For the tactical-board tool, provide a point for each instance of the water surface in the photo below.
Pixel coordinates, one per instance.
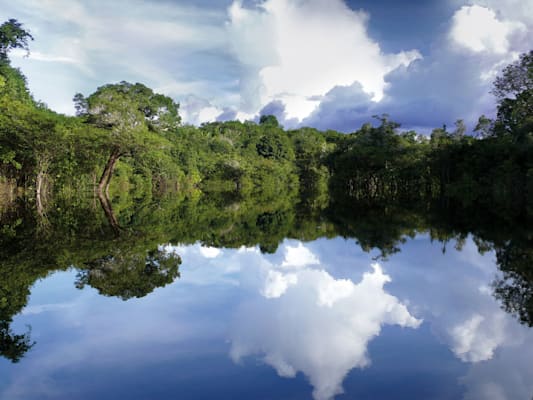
(325, 317)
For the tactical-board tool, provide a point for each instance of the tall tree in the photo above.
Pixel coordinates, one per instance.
(516, 78)
(514, 91)
(131, 113)
(13, 36)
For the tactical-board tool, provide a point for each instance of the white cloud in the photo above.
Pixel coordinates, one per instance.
(277, 283)
(318, 320)
(294, 51)
(204, 265)
(313, 57)
(516, 10)
(195, 111)
(210, 252)
(298, 317)
(317, 325)
(38, 56)
(43, 308)
(453, 81)
(477, 338)
(478, 29)
(298, 256)
(452, 294)
(506, 377)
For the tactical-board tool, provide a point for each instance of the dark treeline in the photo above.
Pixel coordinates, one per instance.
(127, 136)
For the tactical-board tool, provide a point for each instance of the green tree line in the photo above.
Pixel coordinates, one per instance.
(128, 135)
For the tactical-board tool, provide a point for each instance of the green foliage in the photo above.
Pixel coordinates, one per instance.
(13, 346)
(515, 288)
(13, 36)
(274, 145)
(129, 273)
(127, 108)
(269, 120)
(514, 90)
(131, 123)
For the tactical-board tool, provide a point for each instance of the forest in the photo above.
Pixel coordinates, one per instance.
(125, 135)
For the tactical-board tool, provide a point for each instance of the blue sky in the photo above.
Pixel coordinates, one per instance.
(322, 63)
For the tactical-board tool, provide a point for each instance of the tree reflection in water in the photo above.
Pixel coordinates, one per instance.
(118, 251)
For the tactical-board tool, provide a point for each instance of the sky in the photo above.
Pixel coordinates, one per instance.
(329, 64)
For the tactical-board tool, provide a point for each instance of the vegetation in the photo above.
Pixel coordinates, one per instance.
(129, 262)
(128, 130)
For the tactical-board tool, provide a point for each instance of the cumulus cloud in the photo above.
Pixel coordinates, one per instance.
(203, 265)
(343, 78)
(277, 283)
(317, 325)
(297, 316)
(453, 296)
(195, 110)
(476, 338)
(514, 10)
(478, 29)
(292, 51)
(277, 108)
(466, 317)
(453, 81)
(504, 378)
(309, 62)
(343, 108)
(299, 256)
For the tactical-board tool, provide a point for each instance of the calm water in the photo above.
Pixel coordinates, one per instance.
(318, 318)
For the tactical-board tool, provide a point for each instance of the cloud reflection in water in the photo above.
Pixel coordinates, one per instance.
(318, 325)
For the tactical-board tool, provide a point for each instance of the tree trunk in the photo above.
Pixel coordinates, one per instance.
(103, 185)
(38, 193)
(108, 211)
(40, 184)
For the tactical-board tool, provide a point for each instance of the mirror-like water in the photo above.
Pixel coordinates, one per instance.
(398, 312)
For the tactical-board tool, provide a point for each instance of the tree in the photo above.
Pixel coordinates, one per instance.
(269, 120)
(13, 36)
(516, 78)
(515, 288)
(484, 127)
(514, 91)
(460, 130)
(131, 113)
(271, 146)
(515, 117)
(13, 346)
(80, 104)
(130, 272)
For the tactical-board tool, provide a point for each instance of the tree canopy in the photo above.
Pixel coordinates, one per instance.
(133, 115)
(13, 36)
(514, 91)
